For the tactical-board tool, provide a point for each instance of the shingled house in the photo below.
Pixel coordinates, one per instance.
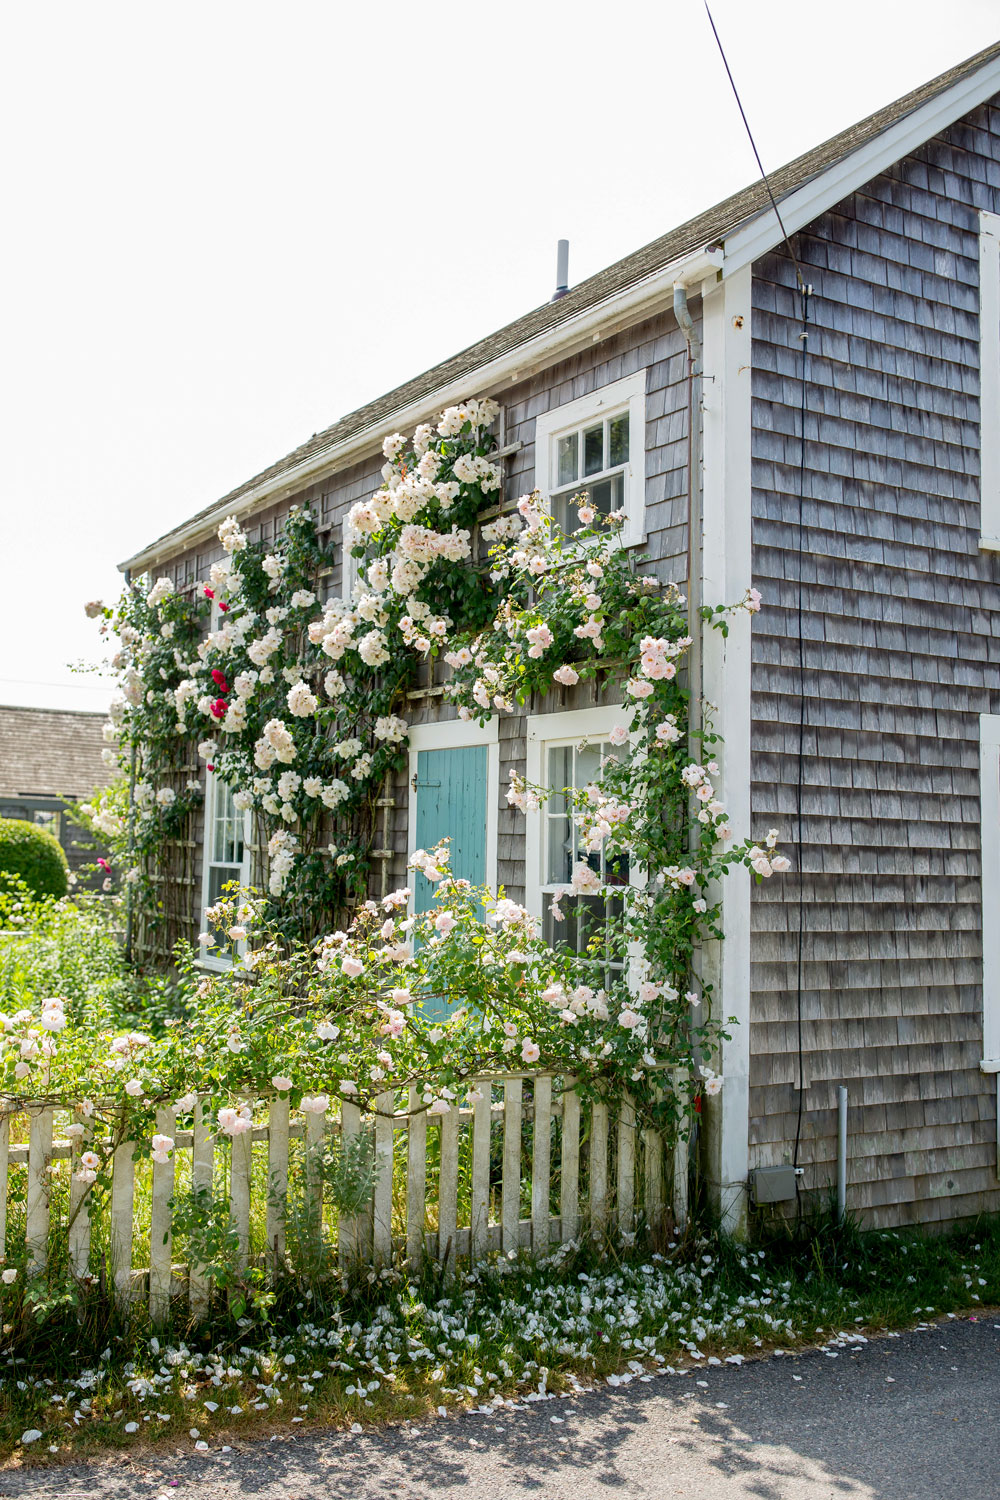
(854, 478)
(49, 755)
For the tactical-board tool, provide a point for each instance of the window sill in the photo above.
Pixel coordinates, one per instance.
(989, 544)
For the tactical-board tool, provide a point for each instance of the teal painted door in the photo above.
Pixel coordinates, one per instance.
(451, 804)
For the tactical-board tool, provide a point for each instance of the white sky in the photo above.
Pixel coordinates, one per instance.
(228, 224)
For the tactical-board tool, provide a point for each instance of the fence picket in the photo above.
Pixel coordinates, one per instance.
(79, 1208)
(160, 1236)
(4, 1169)
(448, 1188)
(626, 1166)
(39, 1157)
(277, 1179)
(599, 1166)
(510, 1194)
(348, 1235)
(416, 1179)
(202, 1177)
(652, 1142)
(479, 1232)
(122, 1202)
(240, 1166)
(681, 1148)
(382, 1197)
(540, 1164)
(569, 1163)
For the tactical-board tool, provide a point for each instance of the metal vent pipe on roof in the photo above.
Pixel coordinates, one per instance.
(562, 271)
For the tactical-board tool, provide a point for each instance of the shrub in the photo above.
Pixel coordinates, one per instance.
(34, 854)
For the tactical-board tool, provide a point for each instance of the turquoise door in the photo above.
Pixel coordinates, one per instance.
(451, 804)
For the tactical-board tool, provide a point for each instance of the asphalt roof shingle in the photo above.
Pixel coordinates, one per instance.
(50, 752)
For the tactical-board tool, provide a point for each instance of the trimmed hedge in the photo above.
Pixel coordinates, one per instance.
(34, 854)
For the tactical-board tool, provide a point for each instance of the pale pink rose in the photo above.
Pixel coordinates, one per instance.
(618, 735)
(351, 966)
(530, 1051)
(444, 922)
(566, 675)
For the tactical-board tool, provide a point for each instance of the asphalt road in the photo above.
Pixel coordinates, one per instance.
(894, 1419)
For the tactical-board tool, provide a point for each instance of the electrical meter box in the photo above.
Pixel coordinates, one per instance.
(772, 1184)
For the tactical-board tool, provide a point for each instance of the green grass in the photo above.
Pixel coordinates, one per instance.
(393, 1346)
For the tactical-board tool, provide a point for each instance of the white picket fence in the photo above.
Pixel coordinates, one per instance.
(626, 1185)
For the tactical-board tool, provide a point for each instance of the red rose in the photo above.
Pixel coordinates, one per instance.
(219, 678)
(209, 768)
(223, 607)
(219, 707)
(209, 593)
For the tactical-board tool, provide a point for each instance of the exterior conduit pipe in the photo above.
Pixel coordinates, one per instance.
(841, 1154)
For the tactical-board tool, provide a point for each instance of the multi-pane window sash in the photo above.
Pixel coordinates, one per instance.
(585, 917)
(592, 457)
(226, 849)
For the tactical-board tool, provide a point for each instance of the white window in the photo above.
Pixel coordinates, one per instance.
(597, 444)
(989, 381)
(350, 565)
(226, 853)
(226, 844)
(565, 751)
(989, 772)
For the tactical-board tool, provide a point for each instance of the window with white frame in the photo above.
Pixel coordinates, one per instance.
(597, 444)
(565, 752)
(350, 565)
(989, 381)
(225, 852)
(227, 856)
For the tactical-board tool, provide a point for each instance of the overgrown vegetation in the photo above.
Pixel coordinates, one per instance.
(33, 855)
(90, 1377)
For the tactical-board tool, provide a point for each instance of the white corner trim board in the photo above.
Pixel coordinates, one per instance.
(989, 793)
(726, 568)
(989, 382)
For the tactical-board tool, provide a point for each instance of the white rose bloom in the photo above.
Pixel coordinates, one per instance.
(162, 589)
(301, 701)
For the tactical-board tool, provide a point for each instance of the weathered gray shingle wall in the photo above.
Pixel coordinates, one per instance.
(901, 617)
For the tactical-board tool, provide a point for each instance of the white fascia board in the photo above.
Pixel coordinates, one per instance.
(748, 243)
(590, 326)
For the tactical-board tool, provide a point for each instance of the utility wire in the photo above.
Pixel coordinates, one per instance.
(753, 143)
(805, 292)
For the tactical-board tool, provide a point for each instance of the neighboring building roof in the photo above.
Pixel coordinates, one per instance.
(703, 231)
(50, 752)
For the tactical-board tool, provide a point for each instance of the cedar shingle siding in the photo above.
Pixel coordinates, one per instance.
(900, 625)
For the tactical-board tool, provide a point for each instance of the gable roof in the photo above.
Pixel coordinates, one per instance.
(706, 230)
(51, 752)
